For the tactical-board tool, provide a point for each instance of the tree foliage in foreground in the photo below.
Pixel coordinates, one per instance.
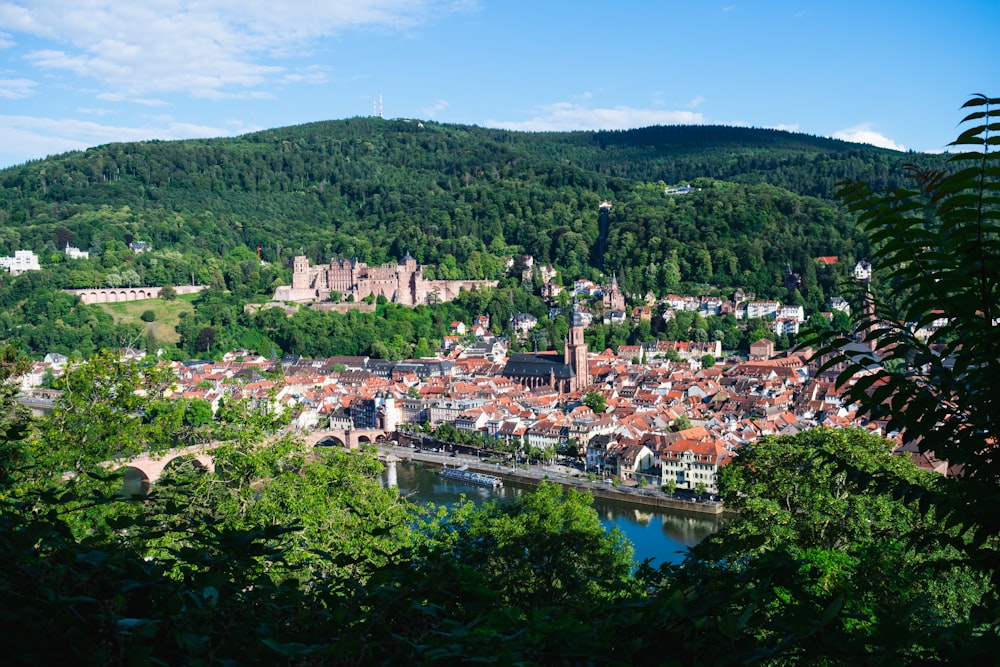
(822, 565)
(938, 245)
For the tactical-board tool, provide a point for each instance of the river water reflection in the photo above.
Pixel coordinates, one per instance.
(658, 534)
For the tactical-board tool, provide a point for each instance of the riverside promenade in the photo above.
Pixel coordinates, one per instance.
(565, 476)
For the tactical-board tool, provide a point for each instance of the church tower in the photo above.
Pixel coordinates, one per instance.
(576, 350)
(613, 297)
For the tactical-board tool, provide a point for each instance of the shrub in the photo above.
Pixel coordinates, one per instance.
(147, 316)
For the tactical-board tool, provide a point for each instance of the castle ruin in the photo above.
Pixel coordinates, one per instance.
(401, 283)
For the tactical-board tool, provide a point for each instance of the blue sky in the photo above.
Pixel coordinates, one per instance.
(79, 73)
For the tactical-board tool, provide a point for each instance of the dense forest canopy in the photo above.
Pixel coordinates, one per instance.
(460, 199)
(455, 195)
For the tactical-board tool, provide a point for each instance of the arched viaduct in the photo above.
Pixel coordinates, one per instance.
(120, 294)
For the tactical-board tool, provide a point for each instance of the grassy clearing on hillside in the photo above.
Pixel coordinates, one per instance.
(167, 315)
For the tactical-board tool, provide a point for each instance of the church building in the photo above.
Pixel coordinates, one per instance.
(568, 373)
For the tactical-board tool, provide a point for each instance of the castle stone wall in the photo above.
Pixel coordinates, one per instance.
(401, 283)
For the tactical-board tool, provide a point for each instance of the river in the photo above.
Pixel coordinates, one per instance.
(658, 534)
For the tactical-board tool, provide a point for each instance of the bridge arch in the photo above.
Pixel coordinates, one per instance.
(330, 441)
(135, 482)
(152, 465)
(199, 462)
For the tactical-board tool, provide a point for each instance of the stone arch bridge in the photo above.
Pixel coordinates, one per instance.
(350, 438)
(144, 470)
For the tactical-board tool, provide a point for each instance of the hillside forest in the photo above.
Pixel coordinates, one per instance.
(460, 199)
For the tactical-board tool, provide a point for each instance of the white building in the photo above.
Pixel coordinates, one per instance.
(841, 304)
(863, 271)
(762, 309)
(785, 325)
(76, 253)
(796, 313)
(23, 260)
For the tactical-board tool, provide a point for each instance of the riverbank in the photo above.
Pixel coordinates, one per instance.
(563, 475)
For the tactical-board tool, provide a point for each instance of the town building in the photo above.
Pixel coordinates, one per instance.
(23, 260)
(377, 412)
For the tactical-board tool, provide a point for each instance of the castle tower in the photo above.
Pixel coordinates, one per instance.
(408, 274)
(576, 350)
(300, 272)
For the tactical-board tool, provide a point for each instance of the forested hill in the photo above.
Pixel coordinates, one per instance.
(462, 198)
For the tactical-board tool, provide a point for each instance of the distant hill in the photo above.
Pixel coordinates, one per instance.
(463, 197)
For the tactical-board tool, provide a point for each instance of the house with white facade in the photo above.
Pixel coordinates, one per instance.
(522, 323)
(76, 253)
(790, 312)
(762, 309)
(863, 271)
(692, 464)
(785, 326)
(841, 304)
(23, 260)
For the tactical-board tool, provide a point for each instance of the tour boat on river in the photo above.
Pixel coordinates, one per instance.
(471, 477)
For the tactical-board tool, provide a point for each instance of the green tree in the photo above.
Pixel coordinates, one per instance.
(197, 412)
(206, 338)
(95, 419)
(547, 548)
(595, 401)
(14, 418)
(936, 247)
(839, 559)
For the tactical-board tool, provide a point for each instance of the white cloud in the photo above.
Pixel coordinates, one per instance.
(208, 49)
(435, 109)
(94, 111)
(120, 97)
(863, 134)
(564, 116)
(16, 89)
(314, 74)
(695, 102)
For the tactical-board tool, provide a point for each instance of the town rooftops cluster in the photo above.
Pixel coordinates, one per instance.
(721, 408)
